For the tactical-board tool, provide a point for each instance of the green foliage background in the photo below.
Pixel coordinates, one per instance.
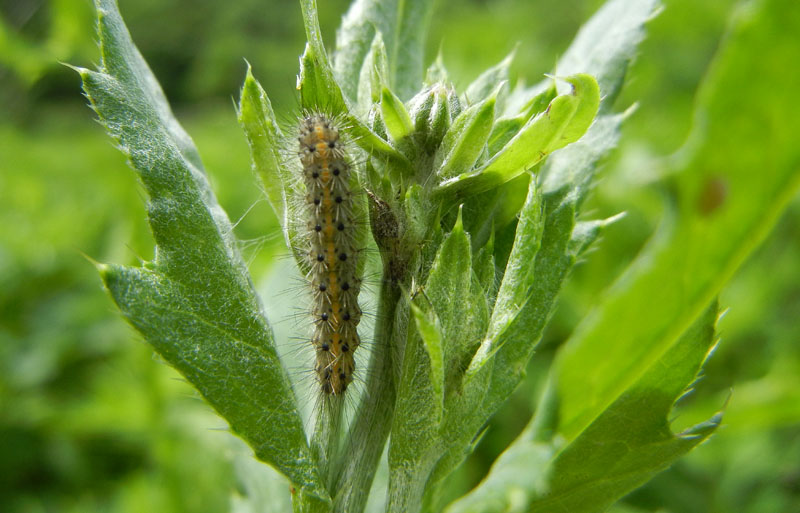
(90, 421)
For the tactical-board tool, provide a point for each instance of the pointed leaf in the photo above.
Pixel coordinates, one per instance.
(264, 138)
(430, 330)
(395, 116)
(465, 140)
(374, 75)
(318, 90)
(196, 303)
(519, 273)
(452, 293)
(418, 435)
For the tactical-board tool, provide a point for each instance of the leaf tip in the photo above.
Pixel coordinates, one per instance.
(97, 265)
(108, 273)
(80, 70)
(459, 226)
(84, 73)
(248, 74)
(496, 92)
(613, 219)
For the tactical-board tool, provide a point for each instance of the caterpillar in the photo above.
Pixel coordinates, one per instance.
(332, 250)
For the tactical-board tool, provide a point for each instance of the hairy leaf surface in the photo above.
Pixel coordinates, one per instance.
(195, 302)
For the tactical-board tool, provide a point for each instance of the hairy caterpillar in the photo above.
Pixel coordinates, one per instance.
(332, 251)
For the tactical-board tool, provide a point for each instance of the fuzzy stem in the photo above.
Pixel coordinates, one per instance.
(327, 434)
(324, 446)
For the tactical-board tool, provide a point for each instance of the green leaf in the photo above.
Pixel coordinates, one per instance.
(507, 127)
(319, 92)
(692, 256)
(373, 76)
(395, 116)
(504, 130)
(466, 139)
(450, 276)
(458, 301)
(585, 87)
(566, 119)
(375, 144)
(430, 330)
(622, 449)
(264, 138)
(403, 24)
(519, 274)
(195, 304)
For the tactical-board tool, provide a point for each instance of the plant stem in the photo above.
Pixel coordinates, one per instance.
(327, 434)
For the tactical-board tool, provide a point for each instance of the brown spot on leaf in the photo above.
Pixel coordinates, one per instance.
(712, 195)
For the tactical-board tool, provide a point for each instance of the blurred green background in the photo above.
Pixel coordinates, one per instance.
(91, 421)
